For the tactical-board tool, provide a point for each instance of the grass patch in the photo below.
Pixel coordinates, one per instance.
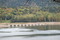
(5, 21)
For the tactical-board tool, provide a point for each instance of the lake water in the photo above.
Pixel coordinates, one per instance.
(55, 37)
(29, 34)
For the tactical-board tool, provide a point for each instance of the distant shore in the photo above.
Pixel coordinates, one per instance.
(53, 23)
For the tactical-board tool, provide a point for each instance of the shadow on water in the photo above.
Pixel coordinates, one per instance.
(45, 27)
(29, 36)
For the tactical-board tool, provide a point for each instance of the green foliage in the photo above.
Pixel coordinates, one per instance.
(28, 14)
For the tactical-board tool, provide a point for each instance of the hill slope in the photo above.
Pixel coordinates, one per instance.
(16, 3)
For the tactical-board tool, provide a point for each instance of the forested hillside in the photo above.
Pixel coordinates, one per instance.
(49, 5)
(29, 11)
(16, 3)
(27, 14)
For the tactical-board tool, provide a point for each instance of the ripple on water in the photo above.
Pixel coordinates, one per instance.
(30, 34)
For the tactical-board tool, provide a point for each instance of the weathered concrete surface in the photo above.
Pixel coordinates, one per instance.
(28, 24)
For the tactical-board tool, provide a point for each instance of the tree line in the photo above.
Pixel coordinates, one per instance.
(28, 14)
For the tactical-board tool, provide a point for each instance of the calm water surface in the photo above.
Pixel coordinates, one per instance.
(56, 37)
(32, 37)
